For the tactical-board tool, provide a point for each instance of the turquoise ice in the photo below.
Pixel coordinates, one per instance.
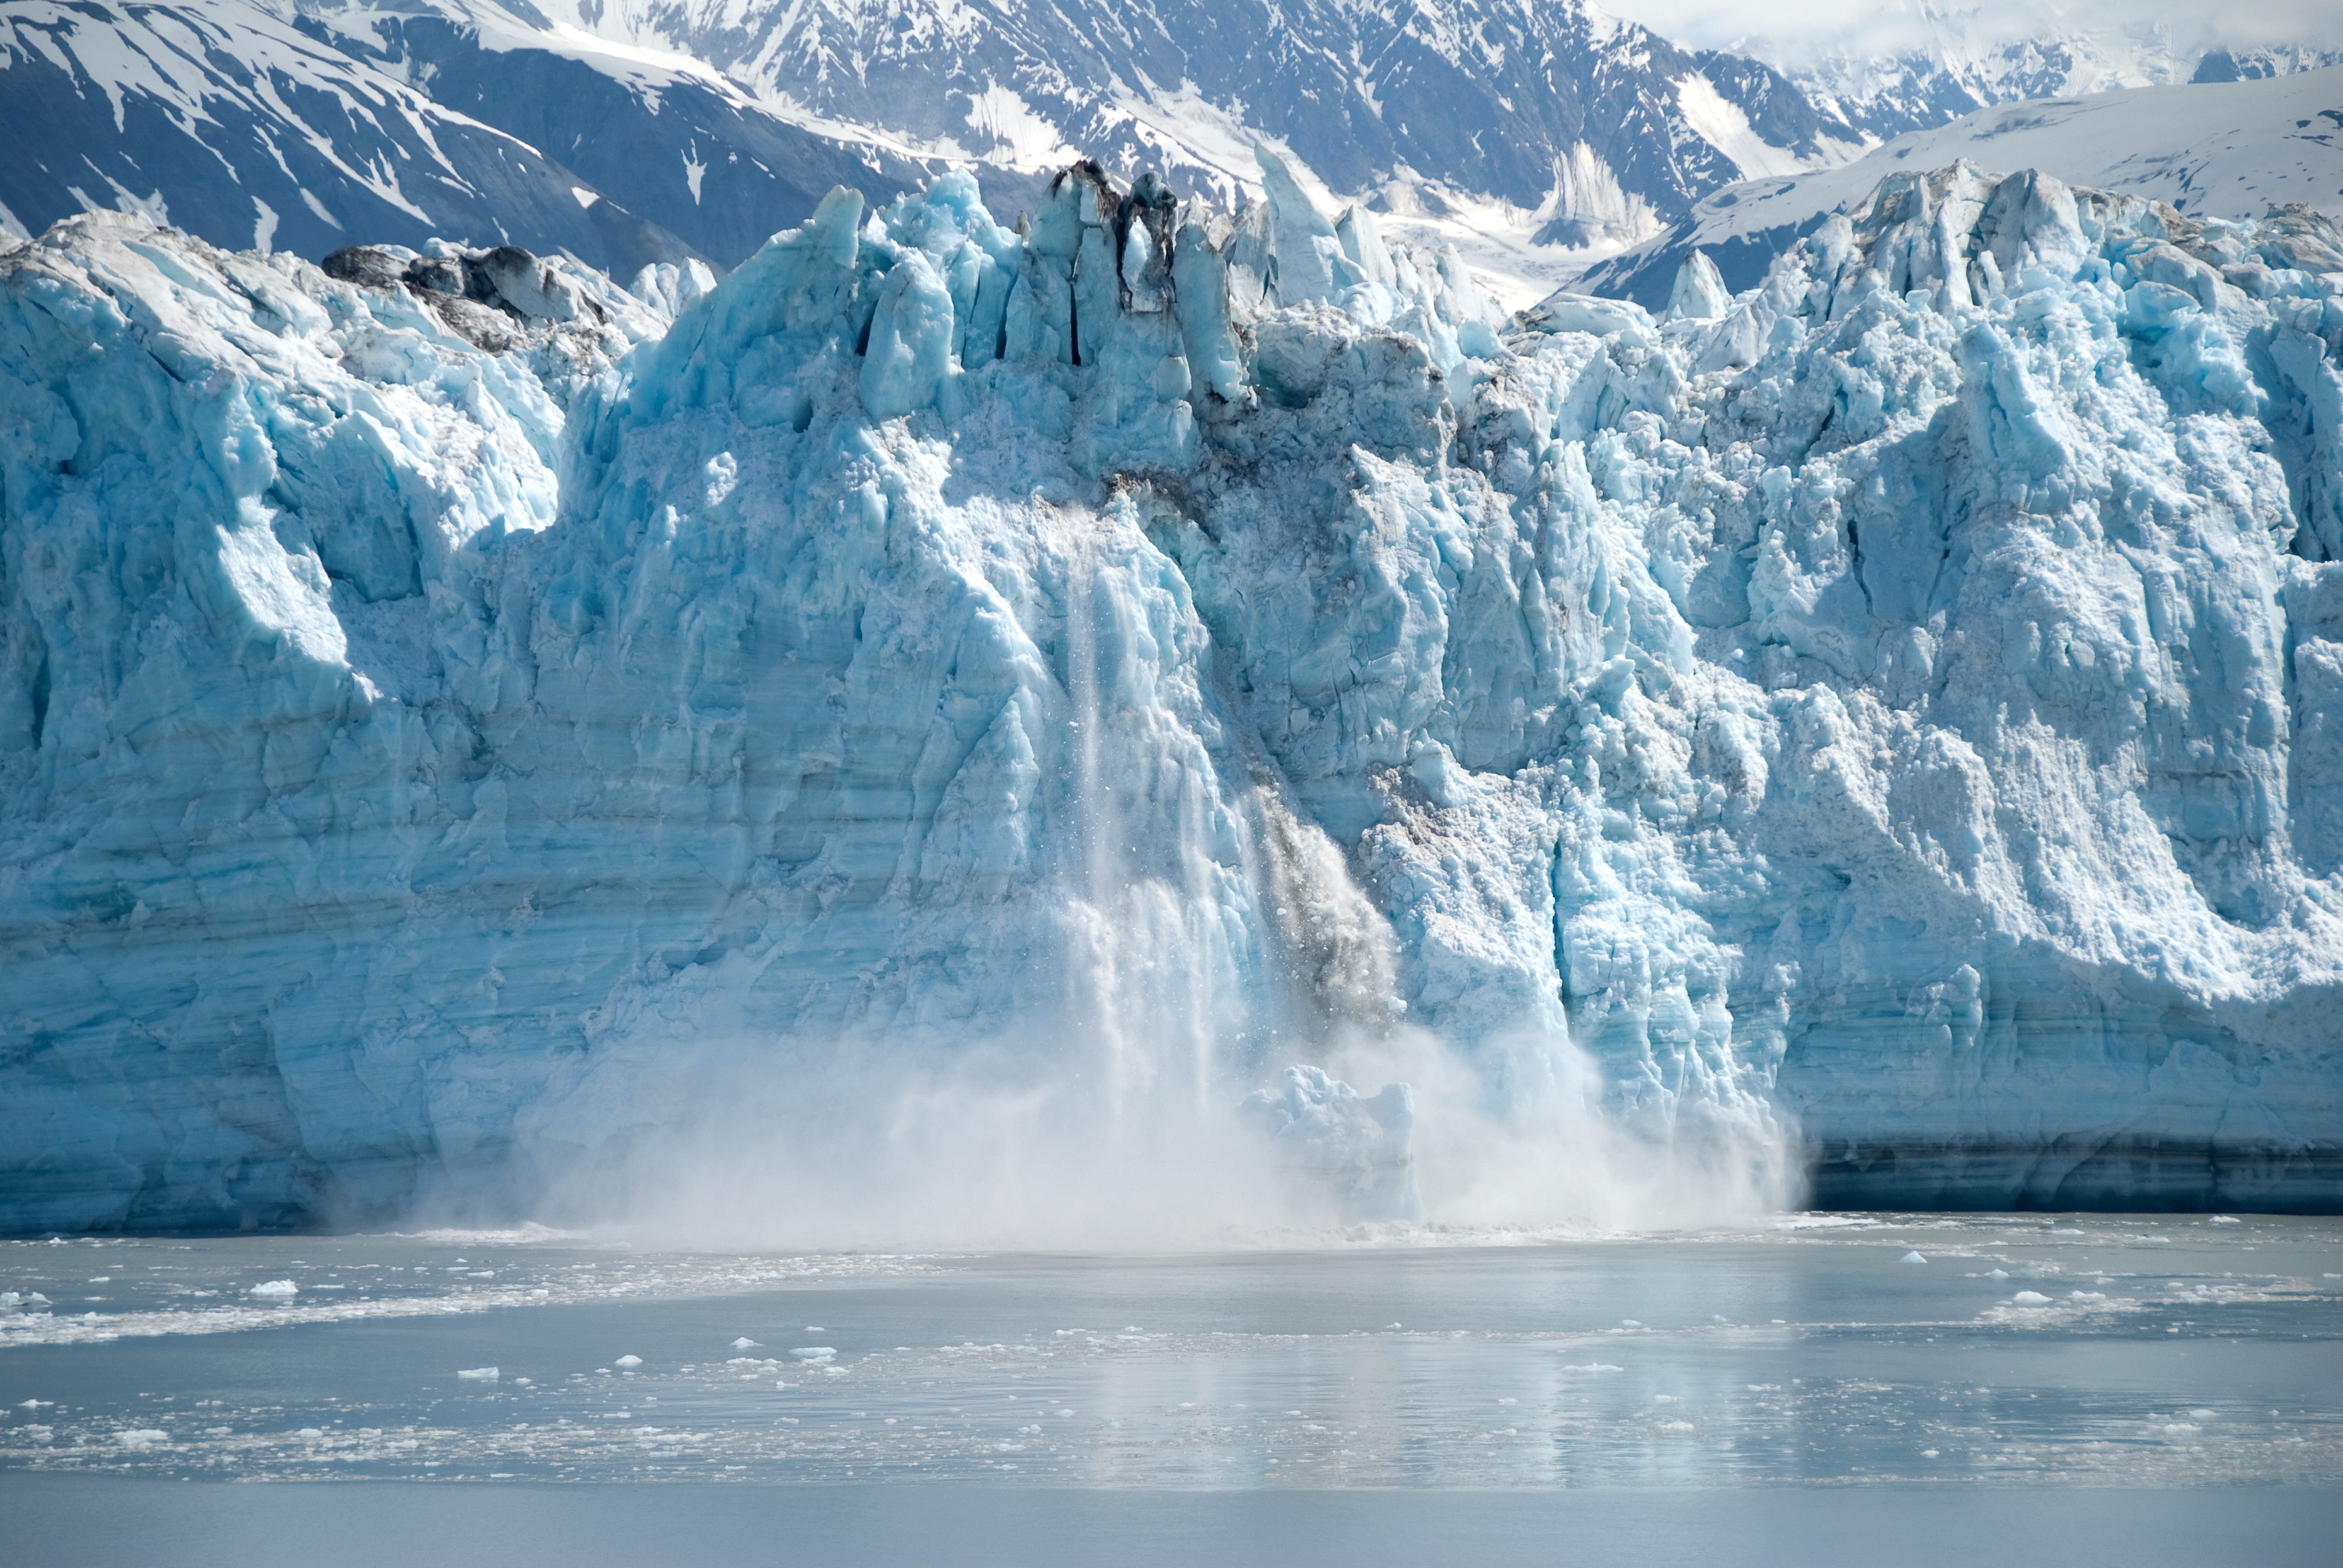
(1885, 720)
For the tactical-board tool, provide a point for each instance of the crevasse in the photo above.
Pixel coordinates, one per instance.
(460, 721)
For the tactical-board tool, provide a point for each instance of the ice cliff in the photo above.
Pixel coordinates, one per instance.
(456, 714)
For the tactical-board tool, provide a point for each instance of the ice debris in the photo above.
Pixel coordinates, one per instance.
(1355, 1145)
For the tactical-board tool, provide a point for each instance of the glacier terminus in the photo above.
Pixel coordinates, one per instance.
(1213, 702)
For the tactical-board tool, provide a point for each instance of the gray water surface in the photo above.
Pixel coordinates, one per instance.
(2095, 1353)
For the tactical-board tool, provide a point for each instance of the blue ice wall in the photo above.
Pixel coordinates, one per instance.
(443, 735)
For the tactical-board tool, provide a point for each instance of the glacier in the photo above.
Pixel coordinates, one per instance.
(1114, 684)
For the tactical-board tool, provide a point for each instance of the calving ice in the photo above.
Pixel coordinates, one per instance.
(1147, 719)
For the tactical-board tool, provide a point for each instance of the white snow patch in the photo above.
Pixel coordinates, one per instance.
(1721, 123)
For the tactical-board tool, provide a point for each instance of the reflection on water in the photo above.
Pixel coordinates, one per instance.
(2100, 1350)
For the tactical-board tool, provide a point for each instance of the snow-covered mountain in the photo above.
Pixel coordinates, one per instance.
(1492, 97)
(698, 129)
(965, 721)
(1884, 98)
(2229, 151)
(250, 121)
(1943, 62)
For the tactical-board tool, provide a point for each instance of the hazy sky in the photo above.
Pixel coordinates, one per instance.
(1893, 23)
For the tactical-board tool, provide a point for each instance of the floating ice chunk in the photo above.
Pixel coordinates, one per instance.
(627, 1361)
(2031, 1299)
(2225, 1220)
(1676, 1426)
(1593, 1367)
(276, 1290)
(146, 1437)
(814, 1353)
(1927, 1453)
(310, 1432)
(2086, 1295)
(479, 1374)
(1996, 1274)
(743, 1344)
(1914, 1257)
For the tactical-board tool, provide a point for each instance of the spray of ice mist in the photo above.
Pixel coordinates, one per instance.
(1202, 1079)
